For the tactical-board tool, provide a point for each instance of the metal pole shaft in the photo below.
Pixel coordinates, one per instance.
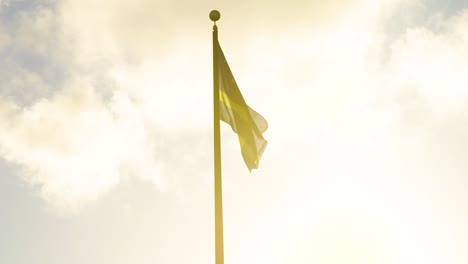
(219, 241)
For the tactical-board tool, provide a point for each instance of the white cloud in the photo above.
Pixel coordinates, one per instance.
(358, 133)
(434, 64)
(133, 82)
(75, 147)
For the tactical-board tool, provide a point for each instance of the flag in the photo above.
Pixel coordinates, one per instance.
(246, 122)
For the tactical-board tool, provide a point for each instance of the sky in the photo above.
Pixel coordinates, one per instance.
(106, 132)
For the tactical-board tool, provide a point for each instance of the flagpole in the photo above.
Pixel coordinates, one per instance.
(219, 242)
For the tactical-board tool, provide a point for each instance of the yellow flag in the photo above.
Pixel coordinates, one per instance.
(246, 122)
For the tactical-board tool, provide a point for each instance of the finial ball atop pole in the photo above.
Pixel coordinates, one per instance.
(215, 15)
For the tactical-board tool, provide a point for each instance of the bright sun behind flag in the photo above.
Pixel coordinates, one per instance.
(246, 122)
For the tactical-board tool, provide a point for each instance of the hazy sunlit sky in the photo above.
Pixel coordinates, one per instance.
(106, 132)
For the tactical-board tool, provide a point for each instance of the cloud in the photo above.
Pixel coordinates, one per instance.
(427, 61)
(74, 146)
(125, 92)
(77, 119)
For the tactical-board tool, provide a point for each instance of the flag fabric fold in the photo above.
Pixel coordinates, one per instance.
(244, 121)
